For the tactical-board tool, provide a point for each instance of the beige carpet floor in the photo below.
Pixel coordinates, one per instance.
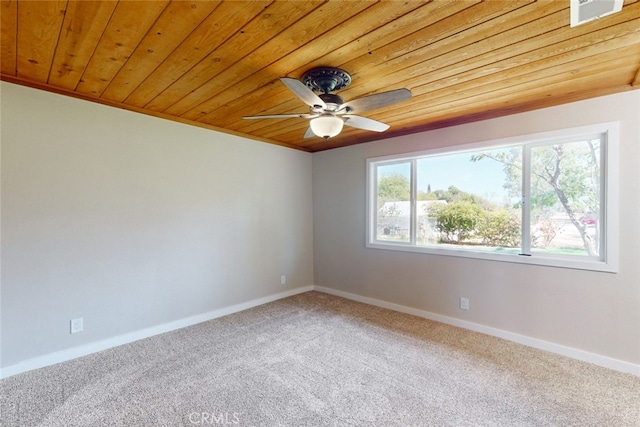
(319, 360)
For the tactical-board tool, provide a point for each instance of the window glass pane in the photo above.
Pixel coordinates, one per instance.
(565, 198)
(544, 198)
(393, 202)
(471, 200)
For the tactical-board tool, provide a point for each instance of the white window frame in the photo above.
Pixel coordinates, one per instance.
(609, 252)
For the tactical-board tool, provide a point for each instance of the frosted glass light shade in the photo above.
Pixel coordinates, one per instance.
(326, 126)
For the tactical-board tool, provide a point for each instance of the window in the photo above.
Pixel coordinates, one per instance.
(546, 199)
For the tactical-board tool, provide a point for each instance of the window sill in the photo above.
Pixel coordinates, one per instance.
(546, 260)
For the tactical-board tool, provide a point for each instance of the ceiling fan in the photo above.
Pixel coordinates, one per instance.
(328, 112)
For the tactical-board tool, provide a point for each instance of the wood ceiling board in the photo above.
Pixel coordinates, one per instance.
(548, 54)
(128, 25)
(176, 23)
(357, 48)
(83, 26)
(254, 34)
(301, 38)
(287, 102)
(413, 49)
(482, 54)
(636, 79)
(410, 26)
(439, 122)
(279, 99)
(395, 24)
(9, 22)
(493, 12)
(498, 57)
(507, 108)
(550, 46)
(295, 128)
(463, 60)
(527, 93)
(213, 47)
(39, 24)
(269, 99)
(530, 90)
(547, 67)
(366, 44)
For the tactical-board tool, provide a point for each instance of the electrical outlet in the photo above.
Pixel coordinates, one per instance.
(464, 303)
(77, 325)
(283, 280)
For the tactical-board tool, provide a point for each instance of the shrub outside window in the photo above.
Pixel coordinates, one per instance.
(547, 199)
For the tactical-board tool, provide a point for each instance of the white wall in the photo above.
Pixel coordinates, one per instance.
(589, 311)
(131, 221)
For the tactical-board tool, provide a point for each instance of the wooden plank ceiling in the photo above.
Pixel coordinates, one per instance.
(208, 63)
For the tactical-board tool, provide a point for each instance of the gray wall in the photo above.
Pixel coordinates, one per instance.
(590, 311)
(131, 221)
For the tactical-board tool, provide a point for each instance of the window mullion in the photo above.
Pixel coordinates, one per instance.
(373, 195)
(525, 202)
(603, 211)
(413, 223)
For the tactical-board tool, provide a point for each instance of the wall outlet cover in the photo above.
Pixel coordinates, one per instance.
(77, 325)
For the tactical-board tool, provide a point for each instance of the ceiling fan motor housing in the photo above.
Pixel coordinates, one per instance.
(333, 101)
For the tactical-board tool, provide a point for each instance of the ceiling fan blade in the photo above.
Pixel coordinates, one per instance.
(364, 123)
(376, 100)
(303, 92)
(282, 116)
(309, 133)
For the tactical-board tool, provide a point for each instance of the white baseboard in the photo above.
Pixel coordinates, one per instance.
(75, 352)
(84, 350)
(574, 353)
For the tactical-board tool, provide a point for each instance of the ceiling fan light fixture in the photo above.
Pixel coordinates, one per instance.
(327, 111)
(326, 126)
